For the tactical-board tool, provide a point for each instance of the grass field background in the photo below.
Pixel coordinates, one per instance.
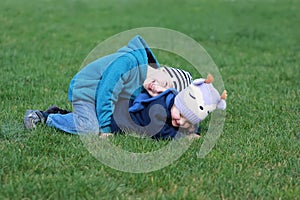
(255, 44)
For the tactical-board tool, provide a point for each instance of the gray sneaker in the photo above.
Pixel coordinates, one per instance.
(32, 117)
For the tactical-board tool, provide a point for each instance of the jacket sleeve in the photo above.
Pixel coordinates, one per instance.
(109, 88)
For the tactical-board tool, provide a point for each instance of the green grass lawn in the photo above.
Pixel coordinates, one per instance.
(254, 43)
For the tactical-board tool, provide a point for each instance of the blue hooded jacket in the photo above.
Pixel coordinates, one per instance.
(146, 115)
(118, 75)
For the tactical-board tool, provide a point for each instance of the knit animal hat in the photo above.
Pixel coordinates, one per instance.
(179, 78)
(199, 99)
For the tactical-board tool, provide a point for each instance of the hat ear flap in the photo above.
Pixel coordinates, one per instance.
(198, 81)
(221, 104)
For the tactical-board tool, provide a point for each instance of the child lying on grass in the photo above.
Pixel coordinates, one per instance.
(168, 114)
(96, 88)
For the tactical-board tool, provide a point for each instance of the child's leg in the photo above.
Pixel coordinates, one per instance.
(62, 122)
(83, 120)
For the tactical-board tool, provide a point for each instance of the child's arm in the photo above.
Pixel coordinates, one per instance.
(110, 86)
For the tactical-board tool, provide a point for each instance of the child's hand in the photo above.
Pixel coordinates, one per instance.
(158, 89)
(193, 136)
(191, 129)
(155, 89)
(105, 135)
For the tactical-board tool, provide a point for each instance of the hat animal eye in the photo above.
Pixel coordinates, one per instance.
(192, 96)
(201, 108)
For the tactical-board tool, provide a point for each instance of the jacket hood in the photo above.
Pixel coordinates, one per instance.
(138, 47)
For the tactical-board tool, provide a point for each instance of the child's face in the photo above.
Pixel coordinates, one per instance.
(157, 81)
(180, 121)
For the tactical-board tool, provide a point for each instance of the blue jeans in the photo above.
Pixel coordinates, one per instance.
(82, 121)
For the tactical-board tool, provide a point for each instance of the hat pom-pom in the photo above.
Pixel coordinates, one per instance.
(221, 104)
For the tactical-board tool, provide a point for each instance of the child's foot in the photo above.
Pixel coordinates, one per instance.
(56, 110)
(32, 117)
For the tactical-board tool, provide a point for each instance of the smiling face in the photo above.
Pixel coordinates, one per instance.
(157, 81)
(177, 119)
